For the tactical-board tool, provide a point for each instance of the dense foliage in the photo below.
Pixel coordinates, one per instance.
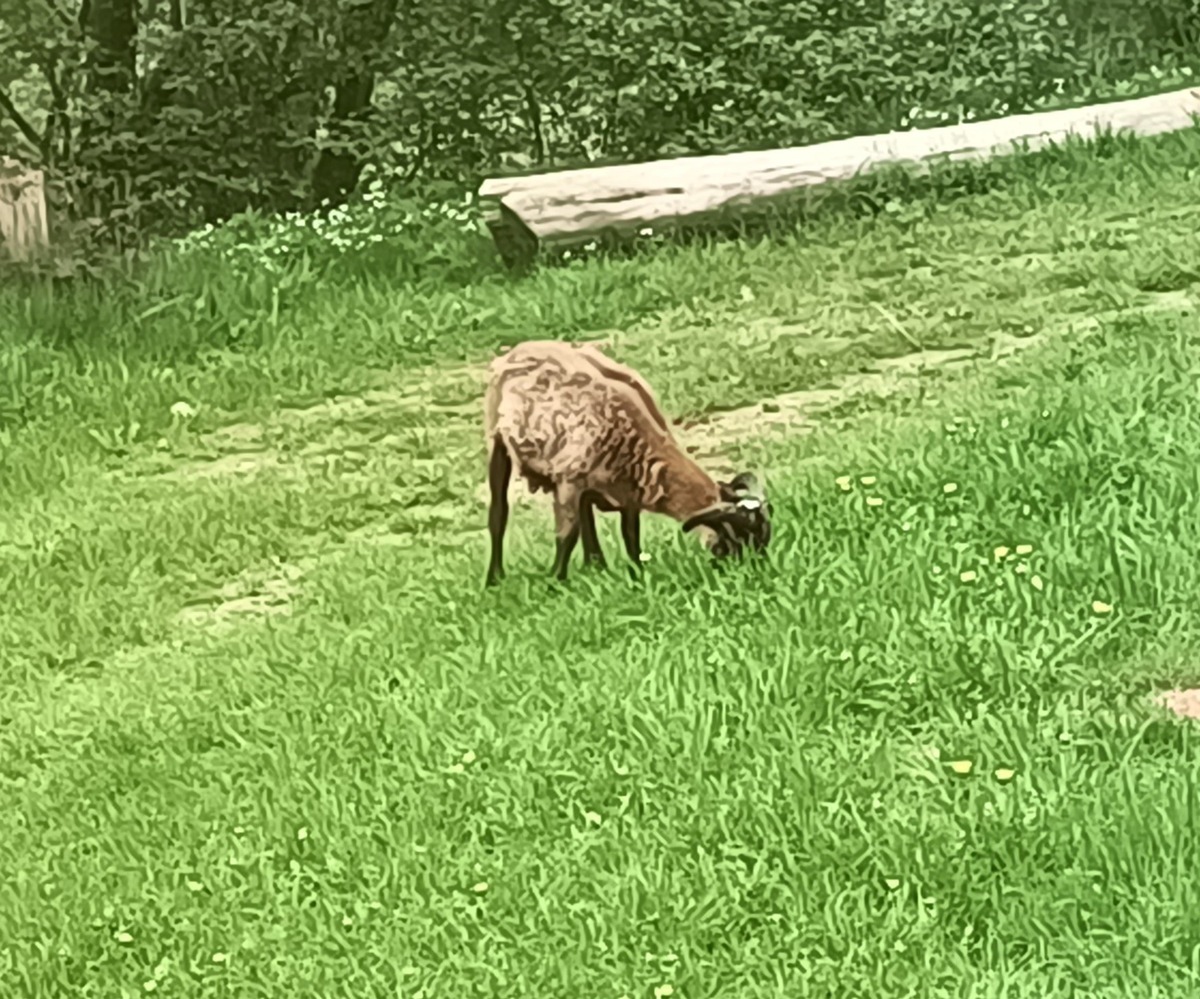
(161, 115)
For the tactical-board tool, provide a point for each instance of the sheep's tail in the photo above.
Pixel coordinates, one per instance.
(491, 408)
(499, 372)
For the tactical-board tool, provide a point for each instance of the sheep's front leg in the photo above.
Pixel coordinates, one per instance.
(631, 534)
(567, 526)
(593, 555)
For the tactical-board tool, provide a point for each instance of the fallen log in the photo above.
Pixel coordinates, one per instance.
(527, 215)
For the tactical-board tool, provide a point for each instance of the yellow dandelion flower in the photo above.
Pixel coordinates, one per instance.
(868, 480)
(1024, 549)
(969, 576)
(874, 501)
(1004, 775)
(1000, 552)
(1036, 582)
(950, 487)
(961, 766)
(1099, 607)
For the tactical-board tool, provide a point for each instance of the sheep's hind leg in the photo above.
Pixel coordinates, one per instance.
(567, 527)
(500, 467)
(593, 555)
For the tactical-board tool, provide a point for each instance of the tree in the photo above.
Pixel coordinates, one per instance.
(158, 115)
(363, 39)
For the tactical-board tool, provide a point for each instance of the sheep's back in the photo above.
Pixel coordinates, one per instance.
(561, 420)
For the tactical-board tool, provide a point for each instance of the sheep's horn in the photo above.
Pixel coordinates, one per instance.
(706, 516)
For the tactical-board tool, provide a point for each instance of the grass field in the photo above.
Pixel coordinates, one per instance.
(263, 732)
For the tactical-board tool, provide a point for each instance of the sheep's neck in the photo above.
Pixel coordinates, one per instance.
(689, 488)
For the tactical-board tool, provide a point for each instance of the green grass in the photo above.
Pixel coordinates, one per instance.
(734, 783)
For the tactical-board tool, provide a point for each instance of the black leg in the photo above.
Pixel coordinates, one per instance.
(566, 523)
(631, 533)
(563, 547)
(499, 472)
(592, 553)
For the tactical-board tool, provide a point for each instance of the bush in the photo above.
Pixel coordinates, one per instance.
(375, 235)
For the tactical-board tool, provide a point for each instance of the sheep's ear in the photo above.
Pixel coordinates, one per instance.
(747, 484)
(743, 486)
(707, 517)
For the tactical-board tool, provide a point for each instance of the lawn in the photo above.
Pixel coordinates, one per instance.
(264, 733)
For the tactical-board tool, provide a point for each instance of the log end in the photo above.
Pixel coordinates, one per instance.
(517, 245)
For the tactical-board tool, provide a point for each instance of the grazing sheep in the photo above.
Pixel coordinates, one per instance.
(588, 430)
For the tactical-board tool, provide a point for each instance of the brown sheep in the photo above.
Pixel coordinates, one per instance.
(578, 425)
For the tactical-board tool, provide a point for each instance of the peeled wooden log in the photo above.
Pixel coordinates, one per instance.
(573, 207)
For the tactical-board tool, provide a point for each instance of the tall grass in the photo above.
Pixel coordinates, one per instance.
(250, 306)
(908, 757)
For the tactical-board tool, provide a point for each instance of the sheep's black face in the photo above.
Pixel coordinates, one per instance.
(741, 520)
(746, 525)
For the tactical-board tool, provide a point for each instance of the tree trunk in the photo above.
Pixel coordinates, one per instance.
(112, 26)
(337, 171)
(365, 32)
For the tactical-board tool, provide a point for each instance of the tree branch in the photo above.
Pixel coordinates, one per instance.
(61, 14)
(59, 123)
(18, 119)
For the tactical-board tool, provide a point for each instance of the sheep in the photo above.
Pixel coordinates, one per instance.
(578, 425)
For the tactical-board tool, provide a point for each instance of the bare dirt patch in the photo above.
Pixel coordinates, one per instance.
(797, 412)
(227, 465)
(263, 593)
(290, 439)
(1182, 702)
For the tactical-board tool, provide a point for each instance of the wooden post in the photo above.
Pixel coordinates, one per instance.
(24, 232)
(573, 207)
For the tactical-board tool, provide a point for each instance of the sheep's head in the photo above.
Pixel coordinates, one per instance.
(740, 520)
